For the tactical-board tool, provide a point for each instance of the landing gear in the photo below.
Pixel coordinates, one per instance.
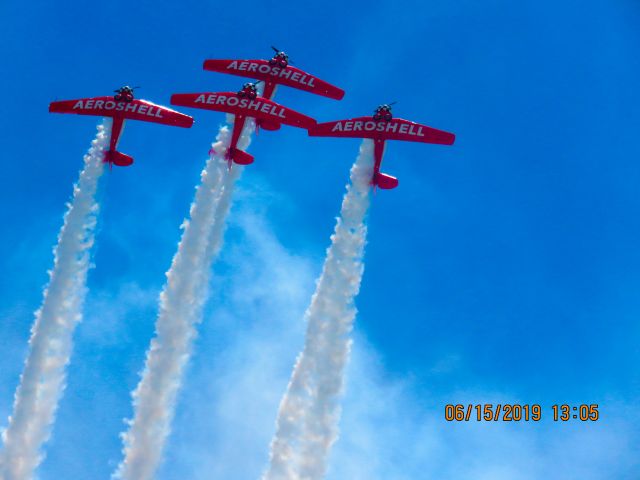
(249, 90)
(126, 97)
(383, 113)
(280, 59)
(382, 116)
(124, 94)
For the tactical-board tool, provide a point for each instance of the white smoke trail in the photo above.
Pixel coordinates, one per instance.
(43, 378)
(306, 427)
(181, 305)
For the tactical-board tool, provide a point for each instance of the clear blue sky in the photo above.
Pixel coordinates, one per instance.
(504, 268)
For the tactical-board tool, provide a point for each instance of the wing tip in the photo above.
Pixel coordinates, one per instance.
(309, 122)
(186, 122)
(338, 94)
(213, 64)
(56, 107)
(312, 131)
(384, 181)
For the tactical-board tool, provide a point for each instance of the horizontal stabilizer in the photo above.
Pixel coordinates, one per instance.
(269, 125)
(118, 158)
(386, 182)
(241, 158)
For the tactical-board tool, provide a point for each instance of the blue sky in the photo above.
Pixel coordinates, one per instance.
(503, 268)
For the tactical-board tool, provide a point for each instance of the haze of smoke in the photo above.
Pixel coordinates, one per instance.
(43, 379)
(306, 426)
(181, 305)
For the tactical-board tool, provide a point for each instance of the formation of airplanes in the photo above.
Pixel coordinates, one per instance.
(249, 102)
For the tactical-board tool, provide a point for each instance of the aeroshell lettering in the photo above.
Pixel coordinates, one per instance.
(139, 108)
(244, 103)
(274, 71)
(383, 127)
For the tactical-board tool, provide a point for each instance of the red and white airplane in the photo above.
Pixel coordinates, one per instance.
(243, 104)
(121, 106)
(275, 71)
(382, 127)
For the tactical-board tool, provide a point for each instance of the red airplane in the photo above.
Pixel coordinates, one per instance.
(273, 72)
(243, 104)
(120, 107)
(382, 127)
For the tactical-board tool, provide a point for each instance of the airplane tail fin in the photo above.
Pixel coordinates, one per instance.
(384, 181)
(117, 158)
(241, 158)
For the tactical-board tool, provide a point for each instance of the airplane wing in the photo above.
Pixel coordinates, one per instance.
(289, 76)
(229, 102)
(134, 110)
(396, 129)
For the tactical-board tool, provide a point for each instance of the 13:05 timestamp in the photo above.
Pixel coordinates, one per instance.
(583, 412)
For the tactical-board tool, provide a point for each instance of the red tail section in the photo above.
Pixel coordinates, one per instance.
(384, 181)
(269, 125)
(241, 158)
(117, 158)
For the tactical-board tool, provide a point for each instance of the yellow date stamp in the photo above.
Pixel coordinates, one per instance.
(515, 412)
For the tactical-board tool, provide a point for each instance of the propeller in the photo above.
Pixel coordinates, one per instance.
(121, 88)
(255, 84)
(386, 106)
